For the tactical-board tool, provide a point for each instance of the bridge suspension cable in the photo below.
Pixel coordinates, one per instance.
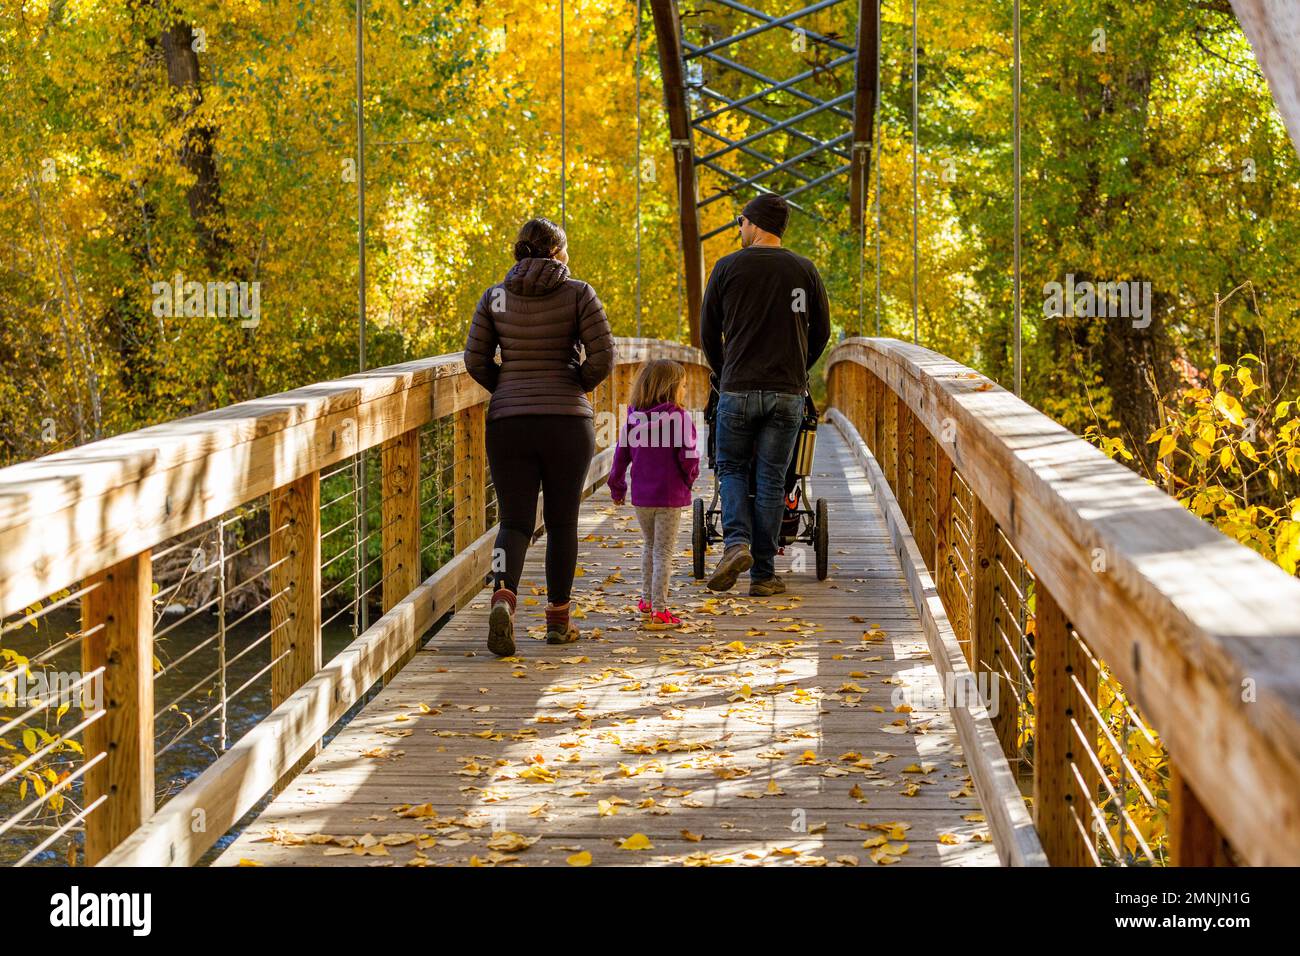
(1015, 149)
(916, 200)
(637, 170)
(879, 134)
(361, 529)
(564, 130)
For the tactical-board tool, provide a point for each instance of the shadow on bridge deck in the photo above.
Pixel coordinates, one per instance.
(764, 733)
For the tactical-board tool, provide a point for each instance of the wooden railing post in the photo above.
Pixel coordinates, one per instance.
(400, 540)
(470, 476)
(1061, 802)
(295, 585)
(400, 458)
(878, 425)
(870, 409)
(920, 492)
(906, 461)
(986, 648)
(296, 590)
(890, 437)
(945, 563)
(1194, 838)
(624, 376)
(856, 380)
(118, 619)
(602, 404)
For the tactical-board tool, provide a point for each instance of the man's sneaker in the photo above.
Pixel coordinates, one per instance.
(501, 630)
(734, 561)
(663, 621)
(767, 587)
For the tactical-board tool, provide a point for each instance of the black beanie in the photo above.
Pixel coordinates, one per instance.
(769, 212)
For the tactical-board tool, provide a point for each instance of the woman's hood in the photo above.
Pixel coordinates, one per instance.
(535, 276)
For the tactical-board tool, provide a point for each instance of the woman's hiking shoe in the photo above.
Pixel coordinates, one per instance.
(559, 629)
(566, 636)
(767, 587)
(734, 562)
(663, 621)
(501, 623)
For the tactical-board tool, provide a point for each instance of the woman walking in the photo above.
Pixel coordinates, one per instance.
(539, 422)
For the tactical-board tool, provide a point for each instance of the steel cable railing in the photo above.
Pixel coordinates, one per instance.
(1094, 769)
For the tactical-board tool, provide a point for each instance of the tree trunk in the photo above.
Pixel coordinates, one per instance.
(197, 149)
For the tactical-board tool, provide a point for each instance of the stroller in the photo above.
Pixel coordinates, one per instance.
(799, 522)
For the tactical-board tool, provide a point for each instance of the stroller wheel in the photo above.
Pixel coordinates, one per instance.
(699, 542)
(821, 541)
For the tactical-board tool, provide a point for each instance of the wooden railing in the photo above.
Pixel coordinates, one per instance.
(77, 530)
(1148, 667)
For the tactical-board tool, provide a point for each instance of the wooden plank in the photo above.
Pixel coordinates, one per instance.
(117, 616)
(1013, 830)
(470, 476)
(1188, 620)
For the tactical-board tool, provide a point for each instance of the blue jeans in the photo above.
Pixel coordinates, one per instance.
(755, 430)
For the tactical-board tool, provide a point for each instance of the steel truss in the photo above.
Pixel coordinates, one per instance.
(694, 105)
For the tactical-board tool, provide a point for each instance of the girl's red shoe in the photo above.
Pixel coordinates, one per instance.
(663, 621)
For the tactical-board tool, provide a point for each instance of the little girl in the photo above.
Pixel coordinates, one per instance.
(658, 441)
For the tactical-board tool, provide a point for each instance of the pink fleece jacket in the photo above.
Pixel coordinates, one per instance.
(660, 444)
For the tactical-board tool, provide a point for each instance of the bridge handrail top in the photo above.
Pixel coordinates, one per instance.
(1186, 576)
(67, 494)
(1060, 462)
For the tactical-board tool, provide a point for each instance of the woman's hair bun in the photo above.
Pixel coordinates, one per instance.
(539, 239)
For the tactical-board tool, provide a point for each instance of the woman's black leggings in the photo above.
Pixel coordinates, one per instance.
(528, 452)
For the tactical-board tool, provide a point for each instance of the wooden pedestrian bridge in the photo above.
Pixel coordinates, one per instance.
(1023, 654)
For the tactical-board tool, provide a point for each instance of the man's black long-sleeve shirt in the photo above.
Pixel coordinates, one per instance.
(765, 320)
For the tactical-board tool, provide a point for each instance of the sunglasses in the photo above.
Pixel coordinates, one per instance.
(740, 220)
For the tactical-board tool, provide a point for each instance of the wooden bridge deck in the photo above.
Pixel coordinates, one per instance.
(762, 733)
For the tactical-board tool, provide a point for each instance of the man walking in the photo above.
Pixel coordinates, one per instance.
(764, 322)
